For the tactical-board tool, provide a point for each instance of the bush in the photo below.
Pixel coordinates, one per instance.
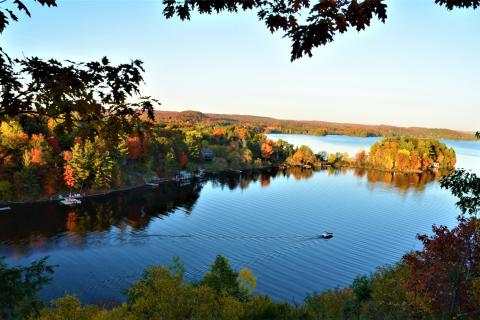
(19, 287)
(6, 190)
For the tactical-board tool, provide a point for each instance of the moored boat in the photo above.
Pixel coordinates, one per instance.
(70, 196)
(70, 201)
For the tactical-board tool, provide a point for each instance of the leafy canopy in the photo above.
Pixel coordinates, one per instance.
(75, 93)
(95, 95)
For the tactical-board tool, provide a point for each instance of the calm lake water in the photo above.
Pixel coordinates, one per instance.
(268, 222)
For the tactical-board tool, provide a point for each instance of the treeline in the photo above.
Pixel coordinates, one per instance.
(399, 154)
(438, 282)
(319, 128)
(410, 154)
(40, 158)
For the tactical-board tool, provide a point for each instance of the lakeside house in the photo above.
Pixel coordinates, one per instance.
(207, 154)
(182, 175)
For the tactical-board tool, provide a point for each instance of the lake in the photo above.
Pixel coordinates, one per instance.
(267, 221)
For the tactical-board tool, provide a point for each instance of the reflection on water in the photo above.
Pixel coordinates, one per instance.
(268, 221)
(37, 227)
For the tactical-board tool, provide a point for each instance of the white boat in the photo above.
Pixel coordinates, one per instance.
(327, 235)
(5, 209)
(70, 201)
(70, 196)
(182, 176)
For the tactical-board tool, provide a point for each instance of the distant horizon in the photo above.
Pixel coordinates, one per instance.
(316, 120)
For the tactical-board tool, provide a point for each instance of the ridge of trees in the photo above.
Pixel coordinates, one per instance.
(39, 158)
(312, 127)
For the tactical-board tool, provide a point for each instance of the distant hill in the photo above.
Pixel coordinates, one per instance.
(314, 127)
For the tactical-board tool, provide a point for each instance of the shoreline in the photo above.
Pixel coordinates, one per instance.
(147, 183)
(97, 193)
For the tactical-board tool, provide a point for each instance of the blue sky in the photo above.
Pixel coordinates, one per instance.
(421, 68)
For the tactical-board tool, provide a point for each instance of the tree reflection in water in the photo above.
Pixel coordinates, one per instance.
(35, 227)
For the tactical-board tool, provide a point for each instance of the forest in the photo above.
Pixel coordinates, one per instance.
(318, 128)
(40, 159)
(410, 154)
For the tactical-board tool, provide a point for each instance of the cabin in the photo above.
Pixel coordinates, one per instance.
(207, 154)
(182, 175)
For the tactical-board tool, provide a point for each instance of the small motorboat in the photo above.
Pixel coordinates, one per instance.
(70, 201)
(5, 208)
(326, 235)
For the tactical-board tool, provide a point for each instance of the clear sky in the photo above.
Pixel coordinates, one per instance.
(421, 68)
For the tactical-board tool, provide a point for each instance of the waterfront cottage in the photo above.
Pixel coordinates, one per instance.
(207, 154)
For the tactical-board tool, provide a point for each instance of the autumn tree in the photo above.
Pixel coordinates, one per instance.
(267, 149)
(134, 146)
(446, 273)
(361, 157)
(242, 133)
(13, 140)
(303, 156)
(69, 176)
